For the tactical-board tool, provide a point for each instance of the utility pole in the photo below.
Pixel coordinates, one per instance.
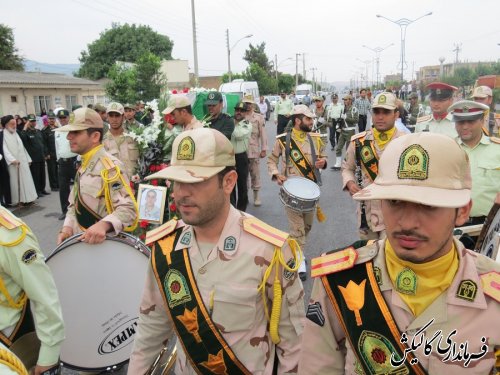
(228, 57)
(276, 71)
(304, 65)
(458, 48)
(195, 46)
(297, 69)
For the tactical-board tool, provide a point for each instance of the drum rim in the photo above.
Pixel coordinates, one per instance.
(110, 368)
(300, 178)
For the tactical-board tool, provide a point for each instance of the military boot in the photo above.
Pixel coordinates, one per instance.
(256, 199)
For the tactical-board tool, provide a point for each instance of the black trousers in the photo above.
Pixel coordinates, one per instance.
(334, 134)
(52, 169)
(282, 122)
(37, 169)
(362, 123)
(240, 191)
(67, 172)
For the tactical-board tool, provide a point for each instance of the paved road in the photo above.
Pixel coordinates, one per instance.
(338, 230)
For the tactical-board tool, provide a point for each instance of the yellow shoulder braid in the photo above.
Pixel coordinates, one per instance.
(12, 230)
(359, 135)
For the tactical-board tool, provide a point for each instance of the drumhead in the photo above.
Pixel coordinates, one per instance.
(302, 187)
(100, 288)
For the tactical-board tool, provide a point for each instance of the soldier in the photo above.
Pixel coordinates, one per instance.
(414, 111)
(346, 128)
(441, 97)
(335, 110)
(33, 142)
(180, 108)
(320, 124)
(210, 274)
(360, 166)
(101, 110)
(129, 114)
(218, 120)
(101, 200)
(282, 112)
(257, 150)
(28, 297)
(117, 142)
(66, 161)
(484, 95)
(240, 140)
(376, 304)
(51, 156)
(305, 158)
(484, 156)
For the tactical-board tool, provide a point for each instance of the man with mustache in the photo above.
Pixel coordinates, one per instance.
(417, 302)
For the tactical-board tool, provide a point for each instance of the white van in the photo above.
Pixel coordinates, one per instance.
(241, 88)
(303, 93)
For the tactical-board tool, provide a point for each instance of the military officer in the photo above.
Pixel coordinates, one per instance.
(360, 166)
(101, 200)
(346, 127)
(218, 120)
(484, 156)
(129, 117)
(28, 296)
(210, 275)
(51, 155)
(180, 108)
(101, 110)
(306, 156)
(320, 124)
(240, 140)
(282, 112)
(440, 122)
(417, 302)
(414, 111)
(117, 142)
(484, 95)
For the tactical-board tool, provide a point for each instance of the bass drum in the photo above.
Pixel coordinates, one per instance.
(100, 288)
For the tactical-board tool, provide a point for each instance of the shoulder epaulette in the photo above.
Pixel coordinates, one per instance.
(160, 232)
(315, 134)
(336, 260)
(423, 118)
(359, 135)
(264, 231)
(107, 162)
(8, 220)
(495, 140)
(490, 282)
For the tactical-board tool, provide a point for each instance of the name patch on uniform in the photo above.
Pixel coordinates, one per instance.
(414, 163)
(176, 288)
(230, 243)
(467, 290)
(315, 314)
(29, 256)
(287, 274)
(406, 282)
(186, 238)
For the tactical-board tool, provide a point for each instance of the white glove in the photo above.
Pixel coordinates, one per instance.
(343, 116)
(321, 120)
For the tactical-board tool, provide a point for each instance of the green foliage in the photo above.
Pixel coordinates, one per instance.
(9, 59)
(256, 73)
(225, 77)
(462, 77)
(142, 81)
(286, 83)
(257, 55)
(125, 43)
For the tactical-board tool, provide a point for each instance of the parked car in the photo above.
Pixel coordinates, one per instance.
(273, 100)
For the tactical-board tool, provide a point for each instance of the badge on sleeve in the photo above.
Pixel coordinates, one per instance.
(315, 314)
(29, 256)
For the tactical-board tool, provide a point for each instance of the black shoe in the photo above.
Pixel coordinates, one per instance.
(303, 276)
(43, 192)
(54, 189)
(62, 217)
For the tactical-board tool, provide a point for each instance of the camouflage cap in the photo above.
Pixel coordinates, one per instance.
(302, 109)
(129, 106)
(248, 98)
(85, 118)
(385, 100)
(176, 101)
(197, 155)
(413, 95)
(346, 97)
(467, 110)
(482, 92)
(100, 108)
(115, 107)
(425, 168)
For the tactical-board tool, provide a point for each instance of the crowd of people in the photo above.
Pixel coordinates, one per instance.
(227, 284)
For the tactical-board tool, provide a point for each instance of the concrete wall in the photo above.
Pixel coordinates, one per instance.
(177, 73)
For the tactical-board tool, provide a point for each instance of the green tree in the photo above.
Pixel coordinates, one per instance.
(9, 59)
(286, 83)
(256, 73)
(122, 43)
(225, 77)
(257, 55)
(149, 77)
(121, 87)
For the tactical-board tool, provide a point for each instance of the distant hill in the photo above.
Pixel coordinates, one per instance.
(35, 66)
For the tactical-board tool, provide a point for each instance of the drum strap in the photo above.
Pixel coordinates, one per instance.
(299, 161)
(314, 158)
(367, 156)
(367, 321)
(206, 348)
(84, 215)
(24, 325)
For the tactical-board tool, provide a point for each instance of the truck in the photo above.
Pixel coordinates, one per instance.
(241, 88)
(303, 93)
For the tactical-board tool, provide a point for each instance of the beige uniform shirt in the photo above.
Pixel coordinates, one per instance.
(445, 126)
(258, 138)
(326, 351)
(279, 151)
(372, 208)
(123, 148)
(231, 277)
(194, 124)
(23, 268)
(91, 184)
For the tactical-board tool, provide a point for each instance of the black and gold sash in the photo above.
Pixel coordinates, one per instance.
(24, 325)
(202, 341)
(84, 215)
(368, 157)
(367, 321)
(298, 159)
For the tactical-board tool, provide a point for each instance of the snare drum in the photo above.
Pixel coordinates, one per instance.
(100, 288)
(300, 194)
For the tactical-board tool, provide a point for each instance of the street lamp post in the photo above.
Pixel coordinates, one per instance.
(297, 69)
(403, 23)
(378, 51)
(229, 52)
(366, 62)
(276, 65)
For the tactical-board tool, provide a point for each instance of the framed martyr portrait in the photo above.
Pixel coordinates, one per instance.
(151, 200)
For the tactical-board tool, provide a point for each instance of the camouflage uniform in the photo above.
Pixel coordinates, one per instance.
(372, 208)
(91, 185)
(227, 278)
(347, 128)
(128, 124)
(194, 124)
(257, 144)
(124, 149)
(412, 120)
(325, 349)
